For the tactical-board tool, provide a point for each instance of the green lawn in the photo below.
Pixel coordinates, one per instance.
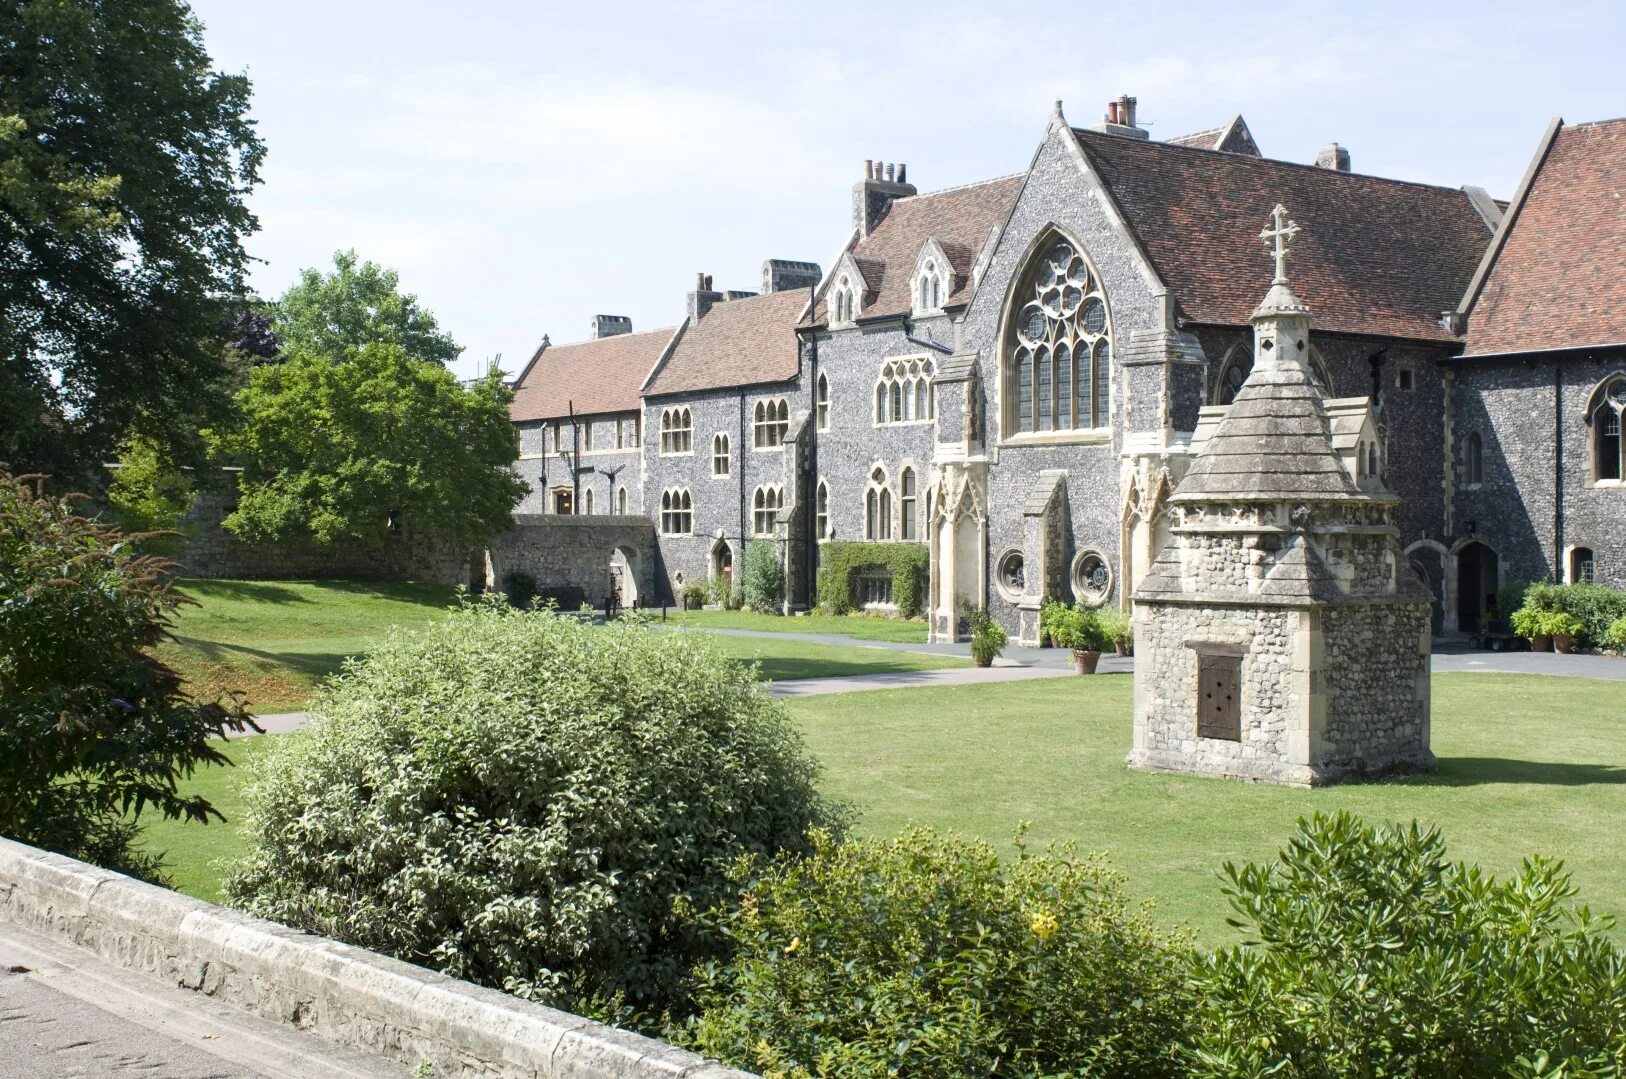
(910, 631)
(1528, 765)
(195, 852)
(275, 640)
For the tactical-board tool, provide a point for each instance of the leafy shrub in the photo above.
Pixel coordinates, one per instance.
(1561, 624)
(521, 588)
(1081, 629)
(1615, 636)
(1049, 610)
(927, 955)
(695, 595)
(987, 638)
(93, 730)
(150, 494)
(531, 803)
(1596, 606)
(1527, 622)
(1371, 955)
(735, 600)
(1116, 627)
(839, 560)
(1510, 597)
(762, 577)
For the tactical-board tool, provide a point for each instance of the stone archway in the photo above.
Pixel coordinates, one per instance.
(1428, 560)
(1478, 572)
(624, 577)
(722, 565)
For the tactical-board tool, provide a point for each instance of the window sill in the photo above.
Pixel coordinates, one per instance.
(1096, 436)
(768, 449)
(722, 475)
(906, 423)
(677, 453)
(1608, 485)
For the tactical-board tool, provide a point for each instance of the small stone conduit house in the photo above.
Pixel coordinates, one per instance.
(1280, 635)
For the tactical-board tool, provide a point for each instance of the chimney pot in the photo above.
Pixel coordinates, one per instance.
(1112, 112)
(903, 174)
(609, 326)
(869, 169)
(1334, 157)
(889, 172)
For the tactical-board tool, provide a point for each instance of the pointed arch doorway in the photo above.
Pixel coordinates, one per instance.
(722, 566)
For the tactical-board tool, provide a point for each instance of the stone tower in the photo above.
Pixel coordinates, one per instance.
(1279, 635)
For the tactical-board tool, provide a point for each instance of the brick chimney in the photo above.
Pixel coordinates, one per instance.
(873, 195)
(701, 299)
(1120, 119)
(1333, 157)
(609, 326)
(781, 274)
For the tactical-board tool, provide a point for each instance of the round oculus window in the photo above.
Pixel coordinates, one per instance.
(1010, 573)
(1092, 578)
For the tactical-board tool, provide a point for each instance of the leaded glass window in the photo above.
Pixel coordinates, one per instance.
(1059, 373)
(904, 392)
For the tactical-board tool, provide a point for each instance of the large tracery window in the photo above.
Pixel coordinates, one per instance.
(1609, 449)
(1059, 373)
(905, 393)
(769, 423)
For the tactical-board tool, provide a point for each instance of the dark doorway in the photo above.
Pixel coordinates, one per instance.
(563, 503)
(1476, 584)
(722, 566)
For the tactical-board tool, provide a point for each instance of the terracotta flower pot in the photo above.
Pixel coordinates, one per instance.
(1563, 644)
(1084, 662)
(1541, 643)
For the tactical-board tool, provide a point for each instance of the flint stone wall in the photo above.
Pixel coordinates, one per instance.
(345, 994)
(570, 555)
(1374, 671)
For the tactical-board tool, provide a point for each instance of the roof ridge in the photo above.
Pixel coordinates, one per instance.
(959, 187)
(1598, 123)
(1274, 161)
(595, 340)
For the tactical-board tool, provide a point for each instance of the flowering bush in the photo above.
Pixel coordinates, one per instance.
(926, 955)
(528, 802)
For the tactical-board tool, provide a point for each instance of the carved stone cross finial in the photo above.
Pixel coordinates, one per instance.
(1279, 237)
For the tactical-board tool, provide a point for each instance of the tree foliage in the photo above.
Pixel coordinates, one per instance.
(343, 449)
(332, 315)
(125, 161)
(149, 494)
(93, 730)
(927, 955)
(531, 803)
(1370, 954)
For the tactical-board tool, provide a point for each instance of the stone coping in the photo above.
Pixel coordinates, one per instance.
(346, 994)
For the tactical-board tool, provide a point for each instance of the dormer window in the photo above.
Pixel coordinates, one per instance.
(930, 285)
(843, 302)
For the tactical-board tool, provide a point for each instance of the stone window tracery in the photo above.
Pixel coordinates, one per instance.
(928, 288)
(1609, 449)
(1058, 375)
(878, 506)
(843, 301)
(822, 404)
(765, 506)
(677, 431)
(1010, 574)
(769, 422)
(905, 392)
(719, 455)
(677, 512)
(1092, 578)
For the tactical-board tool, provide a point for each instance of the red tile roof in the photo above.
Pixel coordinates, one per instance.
(737, 343)
(1375, 257)
(595, 376)
(1233, 137)
(1559, 280)
(959, 218)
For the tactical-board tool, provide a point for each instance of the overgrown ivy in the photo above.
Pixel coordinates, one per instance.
(839, 560)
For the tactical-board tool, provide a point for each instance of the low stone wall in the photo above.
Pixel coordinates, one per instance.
(346, 994)
(570, 555)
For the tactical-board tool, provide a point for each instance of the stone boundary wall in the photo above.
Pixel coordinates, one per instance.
(570, 555)
(343, 993)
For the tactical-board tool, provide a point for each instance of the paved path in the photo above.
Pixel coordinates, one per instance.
(63, 1013)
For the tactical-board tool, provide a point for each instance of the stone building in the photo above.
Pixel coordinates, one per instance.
(1012, 373)
(1280, 635)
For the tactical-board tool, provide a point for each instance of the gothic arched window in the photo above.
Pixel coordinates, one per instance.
(677, 430)
(1473, 461)
(878, 507)
(677, 512)
(928, 288)
(904, 393)
(1058, 369)
(1238, 364)
(821, 404)
(621, 502)
(1608, 449)
(765, 506)
(908, 499)
(587, 502)
(843, 301)
(1583, 566)
(769, 423)
(821, 512)
(719, 454)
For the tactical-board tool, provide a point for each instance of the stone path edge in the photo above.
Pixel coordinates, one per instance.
(345, 994)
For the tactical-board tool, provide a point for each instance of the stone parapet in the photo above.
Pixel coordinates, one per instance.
(345, 994)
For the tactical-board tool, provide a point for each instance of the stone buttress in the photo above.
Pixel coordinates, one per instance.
(1279, 635)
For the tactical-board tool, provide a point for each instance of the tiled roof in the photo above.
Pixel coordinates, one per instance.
(595, 376)
(1559, 280)
(1233, 137)
(737, 343)
(1377, 257)
(959, 218)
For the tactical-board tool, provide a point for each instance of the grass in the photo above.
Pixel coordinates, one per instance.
(1527, 765)
(276, 640)
(902, 631)
(196, 853)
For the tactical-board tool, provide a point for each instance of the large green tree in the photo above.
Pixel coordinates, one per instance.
(333, 314)
(348, 447)
(125, 160)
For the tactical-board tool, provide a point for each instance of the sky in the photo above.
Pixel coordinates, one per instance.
(525, 166)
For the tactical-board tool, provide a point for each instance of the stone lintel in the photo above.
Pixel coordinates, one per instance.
(1256, 599)
(1284, 530)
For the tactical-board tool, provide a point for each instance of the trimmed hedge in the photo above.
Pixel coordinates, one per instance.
(838, 561)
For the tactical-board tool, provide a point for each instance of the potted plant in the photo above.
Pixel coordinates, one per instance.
(1530, 623)
(1080, 630)
(1047, 619)
(1116, 630)
(987, 639)
(1563, 628)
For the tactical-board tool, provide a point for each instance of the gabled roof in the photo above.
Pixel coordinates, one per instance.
(595, 377)
(1377, 257)
(1232, 138)
(740, 342)
(959, 218)
(1557, 275)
